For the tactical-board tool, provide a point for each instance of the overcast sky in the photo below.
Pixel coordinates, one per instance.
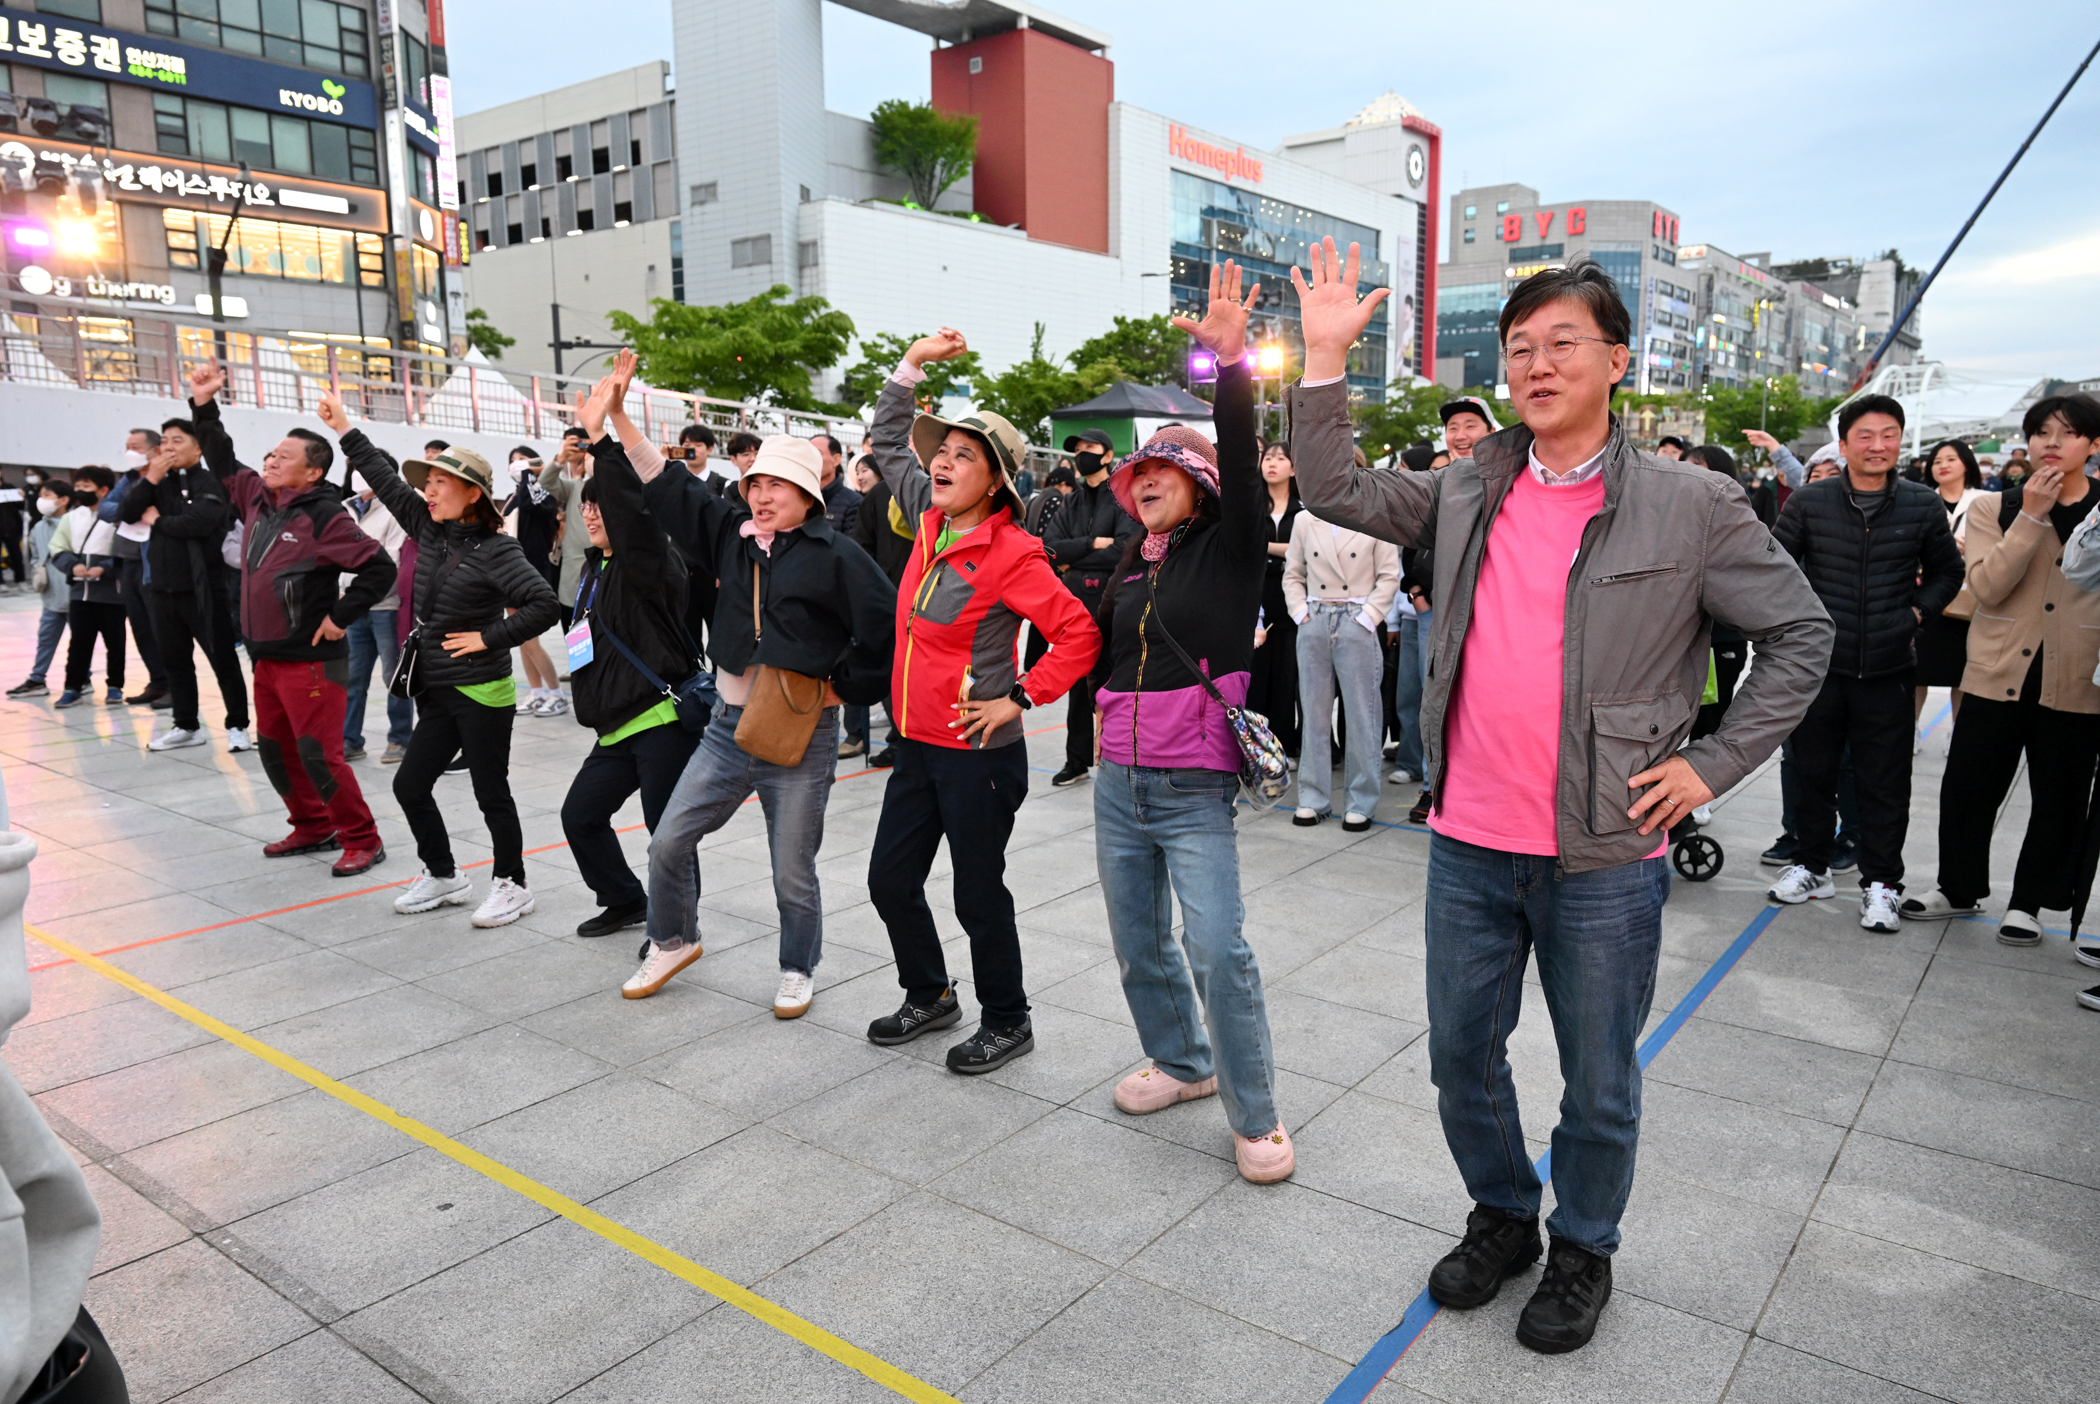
(1806, 127)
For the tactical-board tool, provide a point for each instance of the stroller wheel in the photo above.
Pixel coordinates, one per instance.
(1697, 858)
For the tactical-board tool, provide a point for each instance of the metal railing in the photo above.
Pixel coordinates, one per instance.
(125, 350)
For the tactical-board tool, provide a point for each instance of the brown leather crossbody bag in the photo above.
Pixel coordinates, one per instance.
(782, 712)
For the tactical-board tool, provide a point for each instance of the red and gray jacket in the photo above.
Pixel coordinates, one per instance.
(959, 611)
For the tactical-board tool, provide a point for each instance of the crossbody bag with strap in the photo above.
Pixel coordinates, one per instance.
(694, 699)
(408, 680)
(782, 712)
(1265, 771)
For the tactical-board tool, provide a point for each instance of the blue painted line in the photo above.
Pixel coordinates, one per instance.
(1385, 1353)
(1946, 710)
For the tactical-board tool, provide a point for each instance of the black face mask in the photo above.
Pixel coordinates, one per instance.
(1086, 463)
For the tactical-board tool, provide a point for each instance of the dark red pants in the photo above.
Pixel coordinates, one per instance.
(299, 733)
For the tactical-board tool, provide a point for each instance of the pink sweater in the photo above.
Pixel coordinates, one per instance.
(1502, 734)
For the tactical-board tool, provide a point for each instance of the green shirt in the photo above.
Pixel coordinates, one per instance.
(503, 692)
(662, 714)
(949, 536)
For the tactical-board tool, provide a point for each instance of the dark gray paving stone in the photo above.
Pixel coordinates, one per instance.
(1333, 1041)
(624, 1032)
(592, 1139)
(1773, 1374)
(738, 1357)
(2024, 1027)
(96, 1041)
(1319, 1270)
(528, 1321)
(1802, 1007)
(1384, 1156)
(1749, 1152)
(149, 1101)
(479, 1078)
(1165, 1347)
(238, 1166)
(747, 1205)
(1365, 977)
(890, 1284)
(522, 982)
(1097, 990)
(1710, 1254)
(132, 1225)
(184, 1316)
(397, 1021)
(318, 1366)
(2054, 1136)
(2043, 1230)
(1786, 1074)
(186, 960)
(910, 1120)
(1093, 1187)
(1932, 1324)
(764, 1065)
(367, 928)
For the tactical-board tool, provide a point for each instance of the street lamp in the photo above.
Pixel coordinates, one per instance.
(215, 269)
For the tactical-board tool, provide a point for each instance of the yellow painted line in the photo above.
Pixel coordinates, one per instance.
(679, 1266)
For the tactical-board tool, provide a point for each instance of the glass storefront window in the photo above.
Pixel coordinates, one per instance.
(309, 33)
(267, 141)
(264, 248)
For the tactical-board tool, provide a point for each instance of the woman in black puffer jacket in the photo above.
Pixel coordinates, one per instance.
(467, 574)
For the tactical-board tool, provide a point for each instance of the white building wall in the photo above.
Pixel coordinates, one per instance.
(589, 274)
(592, 100)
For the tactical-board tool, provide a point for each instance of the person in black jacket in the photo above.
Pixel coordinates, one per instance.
(1086, 539)
(882, 529)
(794, 596)
(633, 592)
(1881, 558)
(1273, 688)
(188, 588)
(468, 572)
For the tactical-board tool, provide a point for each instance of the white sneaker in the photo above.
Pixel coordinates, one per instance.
(175, 740)
(553, 706)
(658, 966)
(428, 893)
(1402, 777)
(1798, 884)
(796, 991)
(506, 902)
(237, 739)
(528, 703)
(1877, 908)
(1703, 815)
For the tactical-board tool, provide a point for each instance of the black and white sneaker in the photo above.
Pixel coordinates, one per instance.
(911, 1020)
(1070, 775)
(990, 1048)
(611, 919)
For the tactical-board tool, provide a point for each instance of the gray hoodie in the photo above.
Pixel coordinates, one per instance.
(49, 1226)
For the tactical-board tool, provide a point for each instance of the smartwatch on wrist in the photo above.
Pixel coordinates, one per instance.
(1019, 697)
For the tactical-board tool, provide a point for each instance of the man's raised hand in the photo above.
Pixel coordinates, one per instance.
(333, 414)
(207, 378)
(1331, 317)
(1224, 325)
(944, 345)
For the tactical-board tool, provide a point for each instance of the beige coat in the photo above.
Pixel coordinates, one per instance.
(2024, 603)
(1330, 562)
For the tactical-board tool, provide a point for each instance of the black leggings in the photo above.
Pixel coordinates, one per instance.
(447, 723)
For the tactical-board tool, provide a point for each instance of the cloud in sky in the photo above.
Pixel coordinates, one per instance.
(1805, 127)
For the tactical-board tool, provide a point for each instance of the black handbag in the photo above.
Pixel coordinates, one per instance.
(695, 698)
(407, 678)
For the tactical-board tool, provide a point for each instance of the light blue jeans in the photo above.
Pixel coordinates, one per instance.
(49, 630)
(1597, 936)
(1333, 643)
(717, 780)
(1165, 833)
(375, 640)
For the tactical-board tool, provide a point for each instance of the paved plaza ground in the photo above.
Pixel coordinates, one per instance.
(1870, 1165)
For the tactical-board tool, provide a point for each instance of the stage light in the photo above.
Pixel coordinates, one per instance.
(30, 236)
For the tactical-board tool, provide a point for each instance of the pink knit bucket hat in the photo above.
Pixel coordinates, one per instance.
(1183, 447)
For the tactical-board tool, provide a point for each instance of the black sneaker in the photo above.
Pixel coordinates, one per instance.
(353, 753)
(990, 1048)
(1070, 775)
(1496, 1246)
(615, 919)
(153, 693)
(911, 1020)
(1846, 858)
(33, 687)
(883, 759)
(163, 703)
(1562, 1314)
(1781, 854)
(1420, 813)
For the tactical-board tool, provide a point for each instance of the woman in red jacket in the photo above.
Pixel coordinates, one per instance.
(957, 696)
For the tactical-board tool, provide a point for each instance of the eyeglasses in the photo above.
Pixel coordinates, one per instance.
(1518, 358)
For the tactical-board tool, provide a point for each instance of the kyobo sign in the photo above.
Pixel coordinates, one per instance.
(68, 46)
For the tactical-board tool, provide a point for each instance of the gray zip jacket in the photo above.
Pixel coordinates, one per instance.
(1674, 549)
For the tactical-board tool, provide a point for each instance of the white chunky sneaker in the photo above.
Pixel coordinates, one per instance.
(659, 964)
(506, 902)
(428, 893)
(1798, 884)
(175, 739)
(237, 739)
(1877, 908)
(796, 991)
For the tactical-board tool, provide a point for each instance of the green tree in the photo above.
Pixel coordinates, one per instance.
(879, 355)
(1407, 415)
(930, 149)
(1150, 350)
(1027, 391)
(483, 336)
(1781, 407)
(764, 349)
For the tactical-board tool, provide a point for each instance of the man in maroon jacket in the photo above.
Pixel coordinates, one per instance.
(299, 539)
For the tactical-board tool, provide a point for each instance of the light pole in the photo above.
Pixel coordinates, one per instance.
(215, 270)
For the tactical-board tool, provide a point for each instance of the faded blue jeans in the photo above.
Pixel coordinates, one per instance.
(1597, 935)
(1334, 644)
(718, 779)
(1165, 833)
(50, 628)
(374, 640)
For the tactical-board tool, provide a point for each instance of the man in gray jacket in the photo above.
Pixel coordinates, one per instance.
(1577, 585)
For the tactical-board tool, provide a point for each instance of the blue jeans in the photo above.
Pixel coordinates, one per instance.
(717, 780)
(1597, 935)
(1333, 644)
(49, 630)
(375, 639)
(1407, 697)
(1153, 828)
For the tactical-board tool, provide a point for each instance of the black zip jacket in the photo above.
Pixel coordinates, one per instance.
(637, 593)
(829, 611)
(1089, 513)
(872, 533)
(183, 551)
(1871, 573)
(491, 575)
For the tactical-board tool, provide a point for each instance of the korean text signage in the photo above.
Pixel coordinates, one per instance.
(1513, 231)
(150, 61)
(1235, 164)
(164, 180)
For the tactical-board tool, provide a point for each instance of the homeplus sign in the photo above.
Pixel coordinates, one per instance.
(1234, 164)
